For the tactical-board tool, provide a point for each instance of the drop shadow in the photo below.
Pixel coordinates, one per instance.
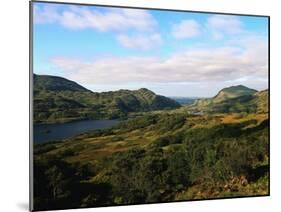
(23, 206)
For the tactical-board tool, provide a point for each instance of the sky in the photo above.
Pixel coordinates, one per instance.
(185, 54)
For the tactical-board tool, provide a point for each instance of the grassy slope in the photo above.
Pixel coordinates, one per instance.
(172, 132)
(233, 92)
(231, 102)
(184, 156)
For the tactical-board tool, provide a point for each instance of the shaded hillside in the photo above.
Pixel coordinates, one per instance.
(234, 99)
(59, 100)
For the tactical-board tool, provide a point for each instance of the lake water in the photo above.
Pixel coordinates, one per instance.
(49, 132)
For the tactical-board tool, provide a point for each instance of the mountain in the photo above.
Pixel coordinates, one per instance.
(233, 92)
(54, 83)
(234, 99)
(57, 99)
(184, 100)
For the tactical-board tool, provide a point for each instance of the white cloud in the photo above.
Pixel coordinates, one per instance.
(140, 41)
(220, 25)
(48, 15)
(194, 65)
(186, 29)
(243, 59)
(111, 19)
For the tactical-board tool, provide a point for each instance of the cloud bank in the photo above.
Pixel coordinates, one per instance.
(193, 65)
(116, 20)
(111, 19)
(240, 58)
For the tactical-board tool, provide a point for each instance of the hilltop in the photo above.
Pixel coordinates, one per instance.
(57, 99)
(233, 99)
(54, 83)
(233, 92)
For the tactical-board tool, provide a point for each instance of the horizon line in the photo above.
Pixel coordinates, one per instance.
(170, 96)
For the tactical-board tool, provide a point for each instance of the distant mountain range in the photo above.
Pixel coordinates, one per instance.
(184, 100)
(57, 99)
(234, 99)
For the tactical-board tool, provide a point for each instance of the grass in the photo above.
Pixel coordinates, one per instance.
(97, 146)
(236, 187)
(98, 149)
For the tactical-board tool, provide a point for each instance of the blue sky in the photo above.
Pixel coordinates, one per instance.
(171, 53)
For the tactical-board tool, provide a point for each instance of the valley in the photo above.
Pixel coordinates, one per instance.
(160, 151)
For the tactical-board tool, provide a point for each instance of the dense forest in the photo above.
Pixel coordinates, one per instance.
(211, 148)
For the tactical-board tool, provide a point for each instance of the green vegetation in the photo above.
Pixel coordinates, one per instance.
(155, 158)
(59, 100)
(234, 99)
(184, 100)
(154, 155)
(233, 92)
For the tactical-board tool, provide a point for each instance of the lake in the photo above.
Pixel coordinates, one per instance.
(49, 132)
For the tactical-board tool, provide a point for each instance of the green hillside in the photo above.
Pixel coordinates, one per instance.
(233, 99)
(60, 100)
(155, 158)
(54, 83)
(233, 92)
(261, 101)
(213, 148)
